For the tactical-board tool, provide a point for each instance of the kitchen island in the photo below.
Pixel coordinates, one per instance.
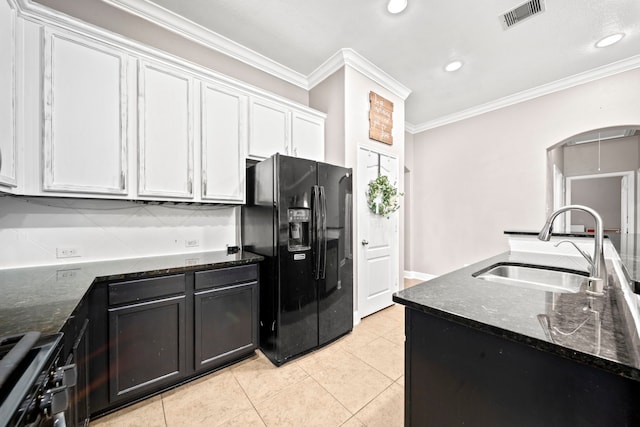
(485, 353)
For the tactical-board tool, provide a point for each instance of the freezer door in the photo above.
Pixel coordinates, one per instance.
(298, 323)
(335, 286)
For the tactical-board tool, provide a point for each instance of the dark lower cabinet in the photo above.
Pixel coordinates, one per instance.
(76, 352)
(147, 346)
(226, 325)
(457, 375)
(78, 414)
(151, 334)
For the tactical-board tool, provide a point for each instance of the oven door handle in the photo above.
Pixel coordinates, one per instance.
(13, 358)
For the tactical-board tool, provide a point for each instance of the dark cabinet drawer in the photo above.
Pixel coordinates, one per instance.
(226, 276)
(145, 289)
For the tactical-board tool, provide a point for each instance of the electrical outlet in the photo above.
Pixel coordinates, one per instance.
(68, 252)
(62, 275)
(192, 243)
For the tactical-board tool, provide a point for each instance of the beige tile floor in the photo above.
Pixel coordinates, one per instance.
(356, 381)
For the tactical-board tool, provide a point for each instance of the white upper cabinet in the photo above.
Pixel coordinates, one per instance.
(85, 116)
(7, 95)
(269, 129)
(286, 129)
(307, 136)
(224, 137)
(84, 113)
(165, 131)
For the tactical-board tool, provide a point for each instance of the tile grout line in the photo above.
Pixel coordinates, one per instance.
(253, 405)
(334, 397)
(373, 367)
(164, 414)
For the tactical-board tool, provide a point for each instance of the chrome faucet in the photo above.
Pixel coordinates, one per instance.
(598, 274)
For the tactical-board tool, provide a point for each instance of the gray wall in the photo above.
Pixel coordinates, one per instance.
(601, 194)
(329, 97)
(478, 177)
(409, 214)
(616, 155)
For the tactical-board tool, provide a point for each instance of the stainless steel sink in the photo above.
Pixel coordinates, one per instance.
(534, 276)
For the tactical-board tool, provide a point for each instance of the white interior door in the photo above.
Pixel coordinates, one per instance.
(378, 269)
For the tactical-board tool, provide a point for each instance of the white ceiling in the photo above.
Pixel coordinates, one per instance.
(414, 46)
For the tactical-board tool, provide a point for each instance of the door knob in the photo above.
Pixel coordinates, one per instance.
(364, 242)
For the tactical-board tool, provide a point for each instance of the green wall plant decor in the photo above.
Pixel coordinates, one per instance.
(382, 196)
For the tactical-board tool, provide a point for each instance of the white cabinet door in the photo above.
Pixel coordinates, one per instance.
(223, 133)
(85, 116)
(165, 127)
(269, 129)
(307, 136)
(7, 95)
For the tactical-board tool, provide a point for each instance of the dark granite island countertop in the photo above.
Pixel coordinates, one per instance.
(597, 331)
(42, 298)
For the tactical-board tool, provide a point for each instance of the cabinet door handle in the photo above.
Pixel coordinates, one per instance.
(295, 151)
(122, 180)
(190, 186)
(365, 242)
(204, 185)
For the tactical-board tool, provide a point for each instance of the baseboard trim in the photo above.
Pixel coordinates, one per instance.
(418, 275)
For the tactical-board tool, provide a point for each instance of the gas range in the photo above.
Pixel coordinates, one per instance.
(34, 381)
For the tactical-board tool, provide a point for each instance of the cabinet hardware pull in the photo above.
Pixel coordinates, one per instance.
(204, 185)
(122, 180)
(190, 186)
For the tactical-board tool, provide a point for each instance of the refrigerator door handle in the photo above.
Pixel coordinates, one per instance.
(316, 226)
(323, 201)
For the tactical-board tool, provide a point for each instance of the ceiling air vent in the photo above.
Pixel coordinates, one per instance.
(521, 13)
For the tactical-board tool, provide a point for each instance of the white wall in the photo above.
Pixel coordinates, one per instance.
(478, 177)
(32, 228)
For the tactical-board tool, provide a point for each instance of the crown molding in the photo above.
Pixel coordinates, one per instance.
(201, 35)
(410, 127)
(349, 57)
(562, 84)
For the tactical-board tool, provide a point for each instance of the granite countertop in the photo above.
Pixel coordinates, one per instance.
(596, 330)
(42, 298)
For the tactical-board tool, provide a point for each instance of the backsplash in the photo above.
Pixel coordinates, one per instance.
(40, 231)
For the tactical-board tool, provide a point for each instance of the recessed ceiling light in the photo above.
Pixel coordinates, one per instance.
(609, 40)
(453, 66)
(396, 6)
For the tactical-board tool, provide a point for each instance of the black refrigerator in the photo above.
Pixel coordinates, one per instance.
(298, 216)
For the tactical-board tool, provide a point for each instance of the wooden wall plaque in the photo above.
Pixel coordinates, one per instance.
(380, 118)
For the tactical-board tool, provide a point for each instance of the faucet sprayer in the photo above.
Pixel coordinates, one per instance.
(598, 274)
